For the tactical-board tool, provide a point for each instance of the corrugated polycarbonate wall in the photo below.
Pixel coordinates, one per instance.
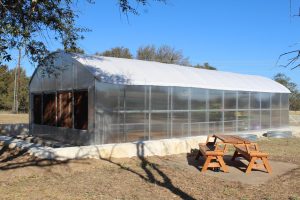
(132, 113)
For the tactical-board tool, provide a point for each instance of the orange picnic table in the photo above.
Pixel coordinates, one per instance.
(213, 152)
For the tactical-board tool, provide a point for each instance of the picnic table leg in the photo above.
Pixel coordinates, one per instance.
(222, 163)
(267, 165)
(250, 165)
(206, 164)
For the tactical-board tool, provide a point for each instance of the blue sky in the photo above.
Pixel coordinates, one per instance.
(244, 36)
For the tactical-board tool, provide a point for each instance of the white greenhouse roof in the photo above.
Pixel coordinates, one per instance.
(138, 72)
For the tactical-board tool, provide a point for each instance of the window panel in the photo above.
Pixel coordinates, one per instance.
(159, 98)
(265, 100)
(275, 118)
(198, 99)
(135, 98)
(136, 127)
(243, 120)
(265, 119)
(255, 120)
(284, 117)
(110, 97)
(243, 100)
(114, 128)
(230, 121)
(81, 110)
(49, 109)
(215, 122)
(255, 100)
(159, 126)
(285, 101)
(180, 124)
(275, 101)
(109, 106)
(215, 99)
(37, 109)
(180, 98)
(230, 99)
(199, 125)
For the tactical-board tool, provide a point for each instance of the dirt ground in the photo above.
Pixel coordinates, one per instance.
(170, 177)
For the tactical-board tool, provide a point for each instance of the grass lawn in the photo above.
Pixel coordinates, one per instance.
(7, 118)
(170, 177)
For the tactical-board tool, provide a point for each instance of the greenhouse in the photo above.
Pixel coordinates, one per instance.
(102, 100)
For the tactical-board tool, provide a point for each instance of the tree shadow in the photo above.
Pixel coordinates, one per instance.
(147, 167)
(14, 158)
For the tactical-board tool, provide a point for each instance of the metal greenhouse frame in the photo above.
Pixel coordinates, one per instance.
(101, 100)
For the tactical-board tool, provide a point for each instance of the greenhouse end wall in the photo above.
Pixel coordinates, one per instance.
(132, 113)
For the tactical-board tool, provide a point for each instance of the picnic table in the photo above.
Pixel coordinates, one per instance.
(213, 152)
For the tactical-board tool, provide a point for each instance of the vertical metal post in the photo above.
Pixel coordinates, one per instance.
(280, 107)
(237, 110)
(171, 98)
(168, 114)
(189, 111)
(124, 115)
(260, 110)
(271, 94)
(207, 111)
(249, 111)
(150, 110)
(222, 111)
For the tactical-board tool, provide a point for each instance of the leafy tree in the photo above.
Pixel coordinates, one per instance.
(167, 54)
(27, 24)
(164, 54)
(205, 66)
(146, 53)
(75, 50)
(7, 83)
(118, 52)
(4, 77)
(295, 95)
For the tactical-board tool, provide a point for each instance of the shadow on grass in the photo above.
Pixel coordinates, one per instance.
(15, 158)
(148, 167)
(18, 158)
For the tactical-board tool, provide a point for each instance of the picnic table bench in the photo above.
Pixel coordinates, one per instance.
(213, 152)
(252, 154)
(213, 156)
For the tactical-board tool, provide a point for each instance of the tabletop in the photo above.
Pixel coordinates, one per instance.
(232, 139)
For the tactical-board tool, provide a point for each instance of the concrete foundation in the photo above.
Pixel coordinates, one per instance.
(124, 150)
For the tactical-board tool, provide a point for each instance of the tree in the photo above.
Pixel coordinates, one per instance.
(28, 24)
(4, 77)
(295, 95)
(167, 54)
(118, 52)
(7, 83)
(164, 54)
(205, 66)
(146, 53)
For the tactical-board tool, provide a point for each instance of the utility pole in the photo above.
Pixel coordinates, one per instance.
(16, 85)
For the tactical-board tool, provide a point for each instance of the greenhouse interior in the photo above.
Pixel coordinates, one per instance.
(103, 100)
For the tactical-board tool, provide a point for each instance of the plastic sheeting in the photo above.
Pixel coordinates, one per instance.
(138, 72)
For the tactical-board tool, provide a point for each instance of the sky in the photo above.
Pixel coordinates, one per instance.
(245, 36)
